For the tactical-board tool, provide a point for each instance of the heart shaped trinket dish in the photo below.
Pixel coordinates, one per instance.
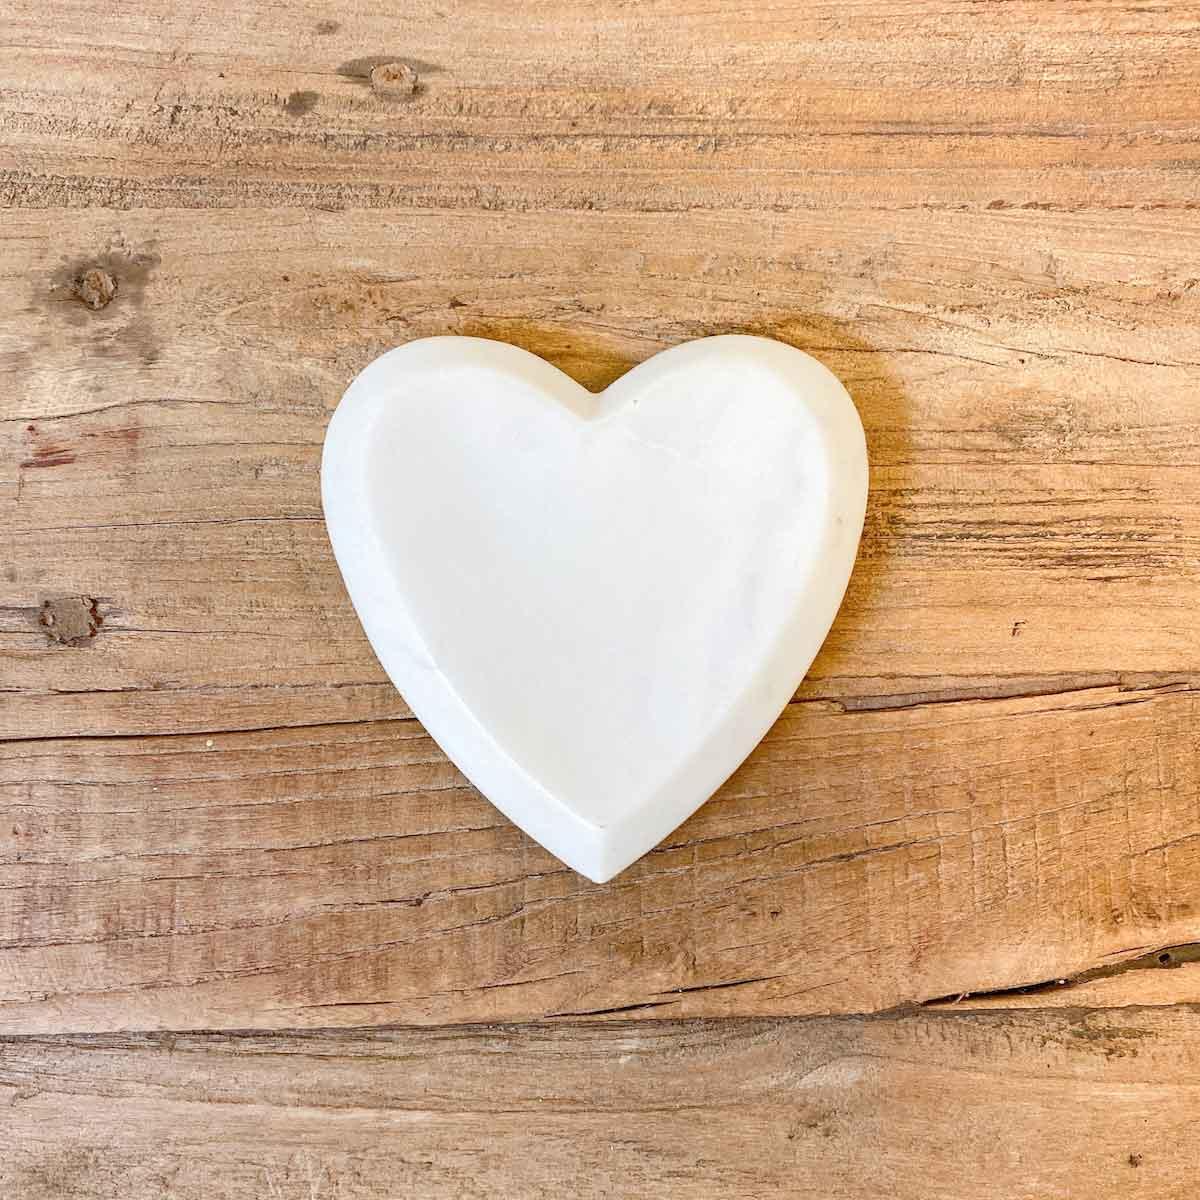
(596, 604)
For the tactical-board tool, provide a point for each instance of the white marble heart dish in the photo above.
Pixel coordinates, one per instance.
(596, 604)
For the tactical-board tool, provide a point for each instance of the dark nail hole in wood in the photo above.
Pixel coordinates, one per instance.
(69, 620)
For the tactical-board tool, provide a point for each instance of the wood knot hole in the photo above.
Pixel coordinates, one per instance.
(394, 80)
(94, 287)
(69, 620)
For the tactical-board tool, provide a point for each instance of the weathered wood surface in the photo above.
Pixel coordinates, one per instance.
(344, 874)
(984, 217)
(1086, 1104)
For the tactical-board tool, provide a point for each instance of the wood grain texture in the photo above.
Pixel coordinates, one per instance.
(345, 873)
(983, 216)
(1089, 1104)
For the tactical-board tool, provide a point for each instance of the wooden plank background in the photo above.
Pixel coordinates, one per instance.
(979, 820)
(216, 813)
(919, 1108)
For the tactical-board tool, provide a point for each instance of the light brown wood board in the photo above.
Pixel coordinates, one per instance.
(1091, 1104)
(215, 810)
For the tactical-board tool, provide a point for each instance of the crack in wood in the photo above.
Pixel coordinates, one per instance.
(613, 1011)
(716, 987)
(1133, 689)
(1161, 958)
